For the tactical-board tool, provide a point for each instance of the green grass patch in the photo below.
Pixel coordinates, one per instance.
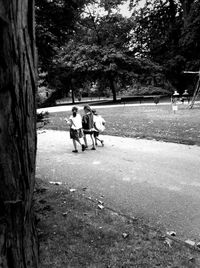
(148, 122)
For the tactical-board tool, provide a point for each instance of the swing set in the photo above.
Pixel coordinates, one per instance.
(197, 88)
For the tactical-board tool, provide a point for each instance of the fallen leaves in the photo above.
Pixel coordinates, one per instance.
(100, 206)
(190, 242)
(72, 190)
(125, 235)
(56, 182)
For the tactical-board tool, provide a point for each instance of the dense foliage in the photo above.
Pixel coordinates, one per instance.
(85, 42)
(167, 32)
(55, 20)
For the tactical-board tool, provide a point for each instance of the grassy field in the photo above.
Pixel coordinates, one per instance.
(73, 232)
(149, 122)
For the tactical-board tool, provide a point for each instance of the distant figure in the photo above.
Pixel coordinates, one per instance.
(88, 125)
(99, 126)
(76, 131)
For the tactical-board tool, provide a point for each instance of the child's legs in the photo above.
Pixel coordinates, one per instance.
(81, 140)
(80, 137)
(75, 146)
(92, 138)
(95, 138)
(85, 140)
(98, 139)
(96, 135)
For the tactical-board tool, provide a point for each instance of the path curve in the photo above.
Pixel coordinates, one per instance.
(154, 180)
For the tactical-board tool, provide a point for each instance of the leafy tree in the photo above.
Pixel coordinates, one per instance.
(168, 33)
(55, 20)
(100, 50)
(105, 64)
(189, 41)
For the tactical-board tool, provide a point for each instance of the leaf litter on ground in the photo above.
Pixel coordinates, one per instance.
(84, 238)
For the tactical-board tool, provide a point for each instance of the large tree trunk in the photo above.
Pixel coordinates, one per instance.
(18, 243)
(73, 97)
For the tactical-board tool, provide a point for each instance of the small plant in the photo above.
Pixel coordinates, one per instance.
(43, 117)
(156, 100)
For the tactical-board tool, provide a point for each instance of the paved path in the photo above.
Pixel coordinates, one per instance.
(155, 180)
(65, 108)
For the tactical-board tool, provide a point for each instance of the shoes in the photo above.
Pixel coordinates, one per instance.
(83, 147)
(93, 148)
(75, 151)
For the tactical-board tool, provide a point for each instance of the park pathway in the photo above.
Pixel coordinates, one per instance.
(154, 180)
(64, 108)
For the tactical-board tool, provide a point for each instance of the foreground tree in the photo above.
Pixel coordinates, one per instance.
(18, 243)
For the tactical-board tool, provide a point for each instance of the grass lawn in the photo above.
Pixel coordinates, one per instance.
(149, 122)
(73, 232)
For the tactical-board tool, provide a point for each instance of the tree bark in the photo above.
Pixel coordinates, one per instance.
(18, 242)
(113, 89)
(72, 90)
(73, 98)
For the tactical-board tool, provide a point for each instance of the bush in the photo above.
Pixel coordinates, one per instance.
(43, 117)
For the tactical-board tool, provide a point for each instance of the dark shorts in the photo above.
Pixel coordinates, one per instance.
(87, 131)
(76, 134)
(96, 134)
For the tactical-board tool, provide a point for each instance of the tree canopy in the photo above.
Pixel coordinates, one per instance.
(55, 20)
(167, 32)
(98, 44)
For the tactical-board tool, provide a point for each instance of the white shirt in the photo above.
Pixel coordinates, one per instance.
(99, 122)
(76, 121)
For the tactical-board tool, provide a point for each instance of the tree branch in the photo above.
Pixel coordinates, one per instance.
(95, 28)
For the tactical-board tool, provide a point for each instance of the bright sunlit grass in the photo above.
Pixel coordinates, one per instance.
(149, 122)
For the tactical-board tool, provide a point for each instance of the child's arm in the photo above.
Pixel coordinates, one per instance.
(103, 121)
(68, 121)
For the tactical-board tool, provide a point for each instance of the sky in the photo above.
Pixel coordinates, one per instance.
(124, 9)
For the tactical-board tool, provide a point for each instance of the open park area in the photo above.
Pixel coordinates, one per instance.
(128, 194)
(131, 68)
(152, 121)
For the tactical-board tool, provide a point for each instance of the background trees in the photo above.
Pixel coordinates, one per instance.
(103, 46)
(55, 20)
(99, 51)
(167, 31)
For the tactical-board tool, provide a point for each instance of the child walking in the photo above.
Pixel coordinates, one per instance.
(88, 126)
(99, 126)
(76, 131)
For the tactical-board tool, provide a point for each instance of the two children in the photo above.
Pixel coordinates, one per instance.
(91, 124)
